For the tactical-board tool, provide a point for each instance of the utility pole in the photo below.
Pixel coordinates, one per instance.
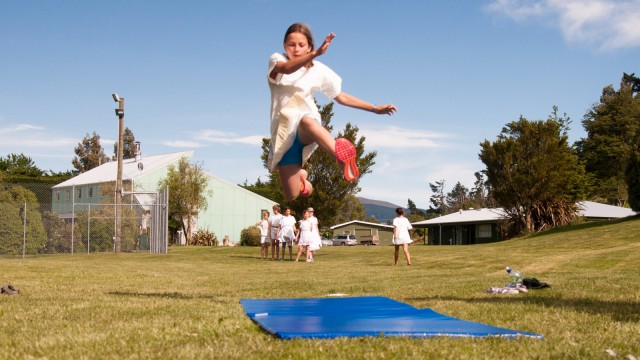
(118, 198)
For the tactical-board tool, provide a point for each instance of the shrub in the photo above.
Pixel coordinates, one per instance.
(205, 238)
(250, 236)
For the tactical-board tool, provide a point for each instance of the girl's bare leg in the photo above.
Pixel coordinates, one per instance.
(395, 255)
(310, 131)
(299, 252)
(291, 177)
(405, 248)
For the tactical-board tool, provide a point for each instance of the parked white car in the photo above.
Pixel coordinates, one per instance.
(326, 242)
(343, 240)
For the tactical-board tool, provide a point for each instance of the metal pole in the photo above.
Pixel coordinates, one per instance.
(73, 223)
(24, 230)
(117, 243)
(88, 227)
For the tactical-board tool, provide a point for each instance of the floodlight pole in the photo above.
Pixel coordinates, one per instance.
(118, 198)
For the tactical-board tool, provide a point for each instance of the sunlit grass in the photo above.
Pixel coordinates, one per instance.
(186, 304)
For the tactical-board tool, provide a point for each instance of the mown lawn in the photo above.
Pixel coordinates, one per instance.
(185, 305)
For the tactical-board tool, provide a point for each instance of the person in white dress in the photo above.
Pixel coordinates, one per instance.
(304, 237)
(274, 226)
(265, 240)
(296, 129)
(401, 237)
(287, 232)
(315, 243)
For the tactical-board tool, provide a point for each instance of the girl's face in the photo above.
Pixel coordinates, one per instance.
(287, 212)
(266, 215)
(296, 45)
(306, 214)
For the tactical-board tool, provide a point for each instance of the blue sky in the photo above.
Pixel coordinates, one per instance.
(193, 75)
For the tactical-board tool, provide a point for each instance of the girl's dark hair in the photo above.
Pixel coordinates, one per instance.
(305, 30)
(399, 211)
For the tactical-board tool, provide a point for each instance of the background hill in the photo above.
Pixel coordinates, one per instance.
(381, 210)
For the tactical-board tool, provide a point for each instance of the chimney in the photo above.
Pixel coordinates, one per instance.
(138, 153)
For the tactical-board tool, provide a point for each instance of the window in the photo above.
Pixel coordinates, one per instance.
(58, 195)
(68, 194)
(483, 231)
(79, 193)
(91, 191)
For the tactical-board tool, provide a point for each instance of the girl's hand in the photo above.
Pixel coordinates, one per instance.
(388, 109)
(325, 45)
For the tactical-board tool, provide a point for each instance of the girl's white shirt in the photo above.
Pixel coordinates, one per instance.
(286, 225)
(403, 225)
(264, 227)
(292, 98)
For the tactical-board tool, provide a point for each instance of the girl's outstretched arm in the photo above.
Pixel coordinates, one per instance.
(352, 101)
(293, 65)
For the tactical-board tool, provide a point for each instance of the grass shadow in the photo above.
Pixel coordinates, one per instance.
(165, 295)
(584, 226)
(622, 311)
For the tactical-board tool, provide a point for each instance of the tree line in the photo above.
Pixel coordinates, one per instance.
(537, 176)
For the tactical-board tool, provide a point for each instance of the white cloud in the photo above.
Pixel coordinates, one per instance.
(18, 136)
(18, 128)
(183, 144)
(207, 136)
(401, 139)
(224, 137)
(605, 24)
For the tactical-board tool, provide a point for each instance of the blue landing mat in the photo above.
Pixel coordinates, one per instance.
(328, 318)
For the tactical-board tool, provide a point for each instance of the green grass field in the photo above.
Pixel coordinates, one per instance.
(185, 304)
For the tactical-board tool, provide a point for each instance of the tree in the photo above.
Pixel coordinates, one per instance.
(480, 194)
(89, 153)
(19, 165)
(438, 200)
(12, 205)
(611, 146)
(458, 197)
(129, 141)
(534, 174)
(329, 187)
(187, 193)
(350, 209)
(413, 209)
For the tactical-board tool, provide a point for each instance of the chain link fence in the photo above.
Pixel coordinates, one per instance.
(29, 224)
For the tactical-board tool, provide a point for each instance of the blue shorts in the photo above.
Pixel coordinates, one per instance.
(294, 154)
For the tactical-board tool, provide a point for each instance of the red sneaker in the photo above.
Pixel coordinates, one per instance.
(346, 154)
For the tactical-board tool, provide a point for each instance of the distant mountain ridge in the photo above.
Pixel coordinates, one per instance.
(383, 211)
(365, 201)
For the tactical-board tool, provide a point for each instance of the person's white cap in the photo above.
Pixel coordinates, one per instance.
(310, 209)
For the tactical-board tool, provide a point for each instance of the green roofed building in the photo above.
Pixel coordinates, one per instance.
(230, 209)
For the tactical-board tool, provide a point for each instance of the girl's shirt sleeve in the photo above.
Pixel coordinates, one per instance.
(273, 60)
(331, 84)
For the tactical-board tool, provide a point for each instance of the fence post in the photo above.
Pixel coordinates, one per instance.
(73, 223)
(24, 229)
(88, 227)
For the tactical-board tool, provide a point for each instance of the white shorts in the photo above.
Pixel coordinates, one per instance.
(265, 240)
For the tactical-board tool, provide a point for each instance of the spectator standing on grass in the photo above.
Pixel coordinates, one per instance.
(304, 237)
(401, 237)
(287, 232)
(265, 240)
(274, 226)
(315, 242)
